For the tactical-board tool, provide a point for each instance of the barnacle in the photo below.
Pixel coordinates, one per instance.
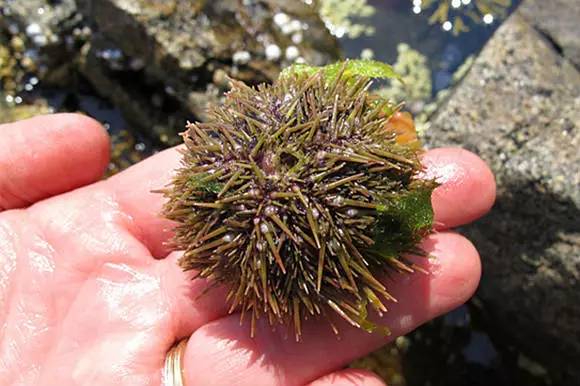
(299, 196)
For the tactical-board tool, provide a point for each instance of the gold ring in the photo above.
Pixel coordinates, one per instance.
(173, 368)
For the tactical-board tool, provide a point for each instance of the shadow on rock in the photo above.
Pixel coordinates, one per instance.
(530, 248)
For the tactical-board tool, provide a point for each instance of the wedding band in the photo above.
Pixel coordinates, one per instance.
(173, 368)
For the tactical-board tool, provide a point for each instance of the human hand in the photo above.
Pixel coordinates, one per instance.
(89, 294)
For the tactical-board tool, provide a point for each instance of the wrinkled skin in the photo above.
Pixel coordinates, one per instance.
(89, 294)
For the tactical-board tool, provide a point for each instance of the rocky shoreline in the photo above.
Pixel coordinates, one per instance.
(519, 108)
(161, 62)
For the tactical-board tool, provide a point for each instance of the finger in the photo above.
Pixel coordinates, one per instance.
(47, 155)
(191, 306)
(467, 191)
(223, 353)
(349, 377)
(133, 189)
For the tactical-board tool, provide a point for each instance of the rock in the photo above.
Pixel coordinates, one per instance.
(43, 22)
(186, 45)
(143, 101)
(10, 74)
(558, 20)
(519, 108)
(11, 112)
(48, 33)
(161, 62)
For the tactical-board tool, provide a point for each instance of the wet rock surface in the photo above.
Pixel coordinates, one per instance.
(558, 21)
(43, 35)
(183, 51)
(161, 62)
(519, 108)
(9, 113)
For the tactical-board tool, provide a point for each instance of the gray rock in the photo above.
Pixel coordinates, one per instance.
(519, 109)
(559, 20)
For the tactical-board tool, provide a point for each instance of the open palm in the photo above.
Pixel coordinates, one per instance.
(90, 295)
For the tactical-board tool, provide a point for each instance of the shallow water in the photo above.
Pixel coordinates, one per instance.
(396, 21)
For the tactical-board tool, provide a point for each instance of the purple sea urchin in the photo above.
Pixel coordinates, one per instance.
(299, 196)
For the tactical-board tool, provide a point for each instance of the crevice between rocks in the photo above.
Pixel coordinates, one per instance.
(552, 42)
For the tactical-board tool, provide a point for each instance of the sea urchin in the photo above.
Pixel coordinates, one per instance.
(300, 196)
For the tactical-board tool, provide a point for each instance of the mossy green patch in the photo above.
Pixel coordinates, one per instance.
(348, 69)
(402, 221)
(205, 183)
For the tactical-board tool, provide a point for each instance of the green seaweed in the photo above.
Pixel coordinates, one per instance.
(205, 183)
(348, 69)
(403, 220)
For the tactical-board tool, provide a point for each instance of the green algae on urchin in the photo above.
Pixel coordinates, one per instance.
(299, 197)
